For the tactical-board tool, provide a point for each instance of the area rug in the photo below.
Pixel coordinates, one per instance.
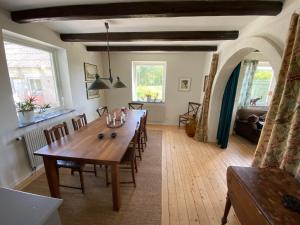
(139, 206)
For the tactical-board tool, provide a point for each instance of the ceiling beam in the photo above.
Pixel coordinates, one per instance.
(177, 48)
(152, 36)
(148, 9)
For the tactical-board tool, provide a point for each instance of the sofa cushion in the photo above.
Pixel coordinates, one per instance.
(253, 118)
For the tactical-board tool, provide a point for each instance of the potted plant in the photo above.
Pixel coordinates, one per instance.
(26, 110)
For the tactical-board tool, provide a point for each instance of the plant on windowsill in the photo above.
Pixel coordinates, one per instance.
(26, 110)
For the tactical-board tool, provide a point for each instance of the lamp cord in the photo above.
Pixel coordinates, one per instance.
(108, 53)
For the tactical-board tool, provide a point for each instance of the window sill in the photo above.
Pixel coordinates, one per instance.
(149, 102)
(38, 118)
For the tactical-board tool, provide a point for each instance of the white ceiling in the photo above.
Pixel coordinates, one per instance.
(133, 24)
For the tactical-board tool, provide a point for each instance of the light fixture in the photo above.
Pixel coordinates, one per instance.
(98, 83)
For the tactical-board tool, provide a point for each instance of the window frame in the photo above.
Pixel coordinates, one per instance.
(54, 61)
(134, 78)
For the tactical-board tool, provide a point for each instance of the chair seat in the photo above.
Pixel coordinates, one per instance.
(68, 164)
(186, 116)
(129, 155)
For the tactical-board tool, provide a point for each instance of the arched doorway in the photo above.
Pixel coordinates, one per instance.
(229, 59)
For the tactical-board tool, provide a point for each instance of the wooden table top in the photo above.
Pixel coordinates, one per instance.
(84, 145)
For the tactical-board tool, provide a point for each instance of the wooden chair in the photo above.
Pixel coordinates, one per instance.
(79, 122)
(193, 109)
(135, 105)
(102, 110)
(129, 160)
(55, 133)
(143, 133)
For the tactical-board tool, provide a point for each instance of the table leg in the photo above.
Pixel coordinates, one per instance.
(115, 181)
(226, 211)
(52, 176)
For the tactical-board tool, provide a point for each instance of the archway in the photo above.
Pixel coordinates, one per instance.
(229, 57)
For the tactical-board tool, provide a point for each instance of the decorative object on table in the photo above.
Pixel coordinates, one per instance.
(99, 83)
(184, 84)
(205, 82)
(113, 135)
(115, 121)
(100, 136)
(193, 109)
(90, 71)
(90, 94)
(190, 127)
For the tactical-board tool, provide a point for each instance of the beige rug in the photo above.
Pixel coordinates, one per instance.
(140, 205)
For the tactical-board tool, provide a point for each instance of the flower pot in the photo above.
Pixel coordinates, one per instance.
(190, 127)
(148, 98)
(26, 117)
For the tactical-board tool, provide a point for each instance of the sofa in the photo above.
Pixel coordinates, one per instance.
(249, 122)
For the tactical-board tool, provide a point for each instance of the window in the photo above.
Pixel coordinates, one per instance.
(32, 73)
(148, 81)
(261, 86)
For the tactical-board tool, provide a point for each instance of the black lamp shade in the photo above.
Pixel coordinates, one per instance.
(119, 84)
(98, 84)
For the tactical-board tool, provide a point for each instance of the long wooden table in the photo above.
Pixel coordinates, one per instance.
(83, 146)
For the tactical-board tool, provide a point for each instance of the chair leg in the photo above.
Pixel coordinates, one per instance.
(106, 175)
(95, 169)
(135, 163)
(81, 181)
(132, 173)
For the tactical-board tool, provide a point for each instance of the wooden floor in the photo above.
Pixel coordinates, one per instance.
(194, 177)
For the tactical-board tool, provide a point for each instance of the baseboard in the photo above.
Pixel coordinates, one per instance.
(29, 179)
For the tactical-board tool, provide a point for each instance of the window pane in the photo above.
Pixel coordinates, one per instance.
(149, 82)
(31, 73)
(261, 85)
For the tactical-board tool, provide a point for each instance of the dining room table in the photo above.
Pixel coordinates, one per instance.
(85, 147)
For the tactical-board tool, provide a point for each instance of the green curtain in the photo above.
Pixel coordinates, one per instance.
(250, 69)
(227, 108)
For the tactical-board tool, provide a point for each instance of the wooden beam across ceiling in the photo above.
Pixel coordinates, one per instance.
(168, 48)
(152, 36)
(148, 9)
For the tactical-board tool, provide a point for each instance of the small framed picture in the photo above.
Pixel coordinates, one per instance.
(90, 94)
(90, 71)
(205, 82)
(184, 84)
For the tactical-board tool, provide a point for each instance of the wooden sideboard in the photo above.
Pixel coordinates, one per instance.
(256, 196)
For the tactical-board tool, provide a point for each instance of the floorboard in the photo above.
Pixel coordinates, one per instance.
(194, 177)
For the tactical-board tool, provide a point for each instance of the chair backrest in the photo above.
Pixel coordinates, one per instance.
(135, 105)
(56, 132)
(193, 108)
(79, 121)
(102, 110)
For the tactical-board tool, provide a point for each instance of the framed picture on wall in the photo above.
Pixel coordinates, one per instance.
(184, 84)
(205, 82)
(90, 71)
(90, 94)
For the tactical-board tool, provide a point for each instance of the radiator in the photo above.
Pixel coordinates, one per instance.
(35, 140)
(156, 112)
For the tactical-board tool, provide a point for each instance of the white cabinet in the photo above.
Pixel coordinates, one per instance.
(18, 208)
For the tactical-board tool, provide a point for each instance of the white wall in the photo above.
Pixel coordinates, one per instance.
(13, 160)
(267, 34)
(178, 65)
